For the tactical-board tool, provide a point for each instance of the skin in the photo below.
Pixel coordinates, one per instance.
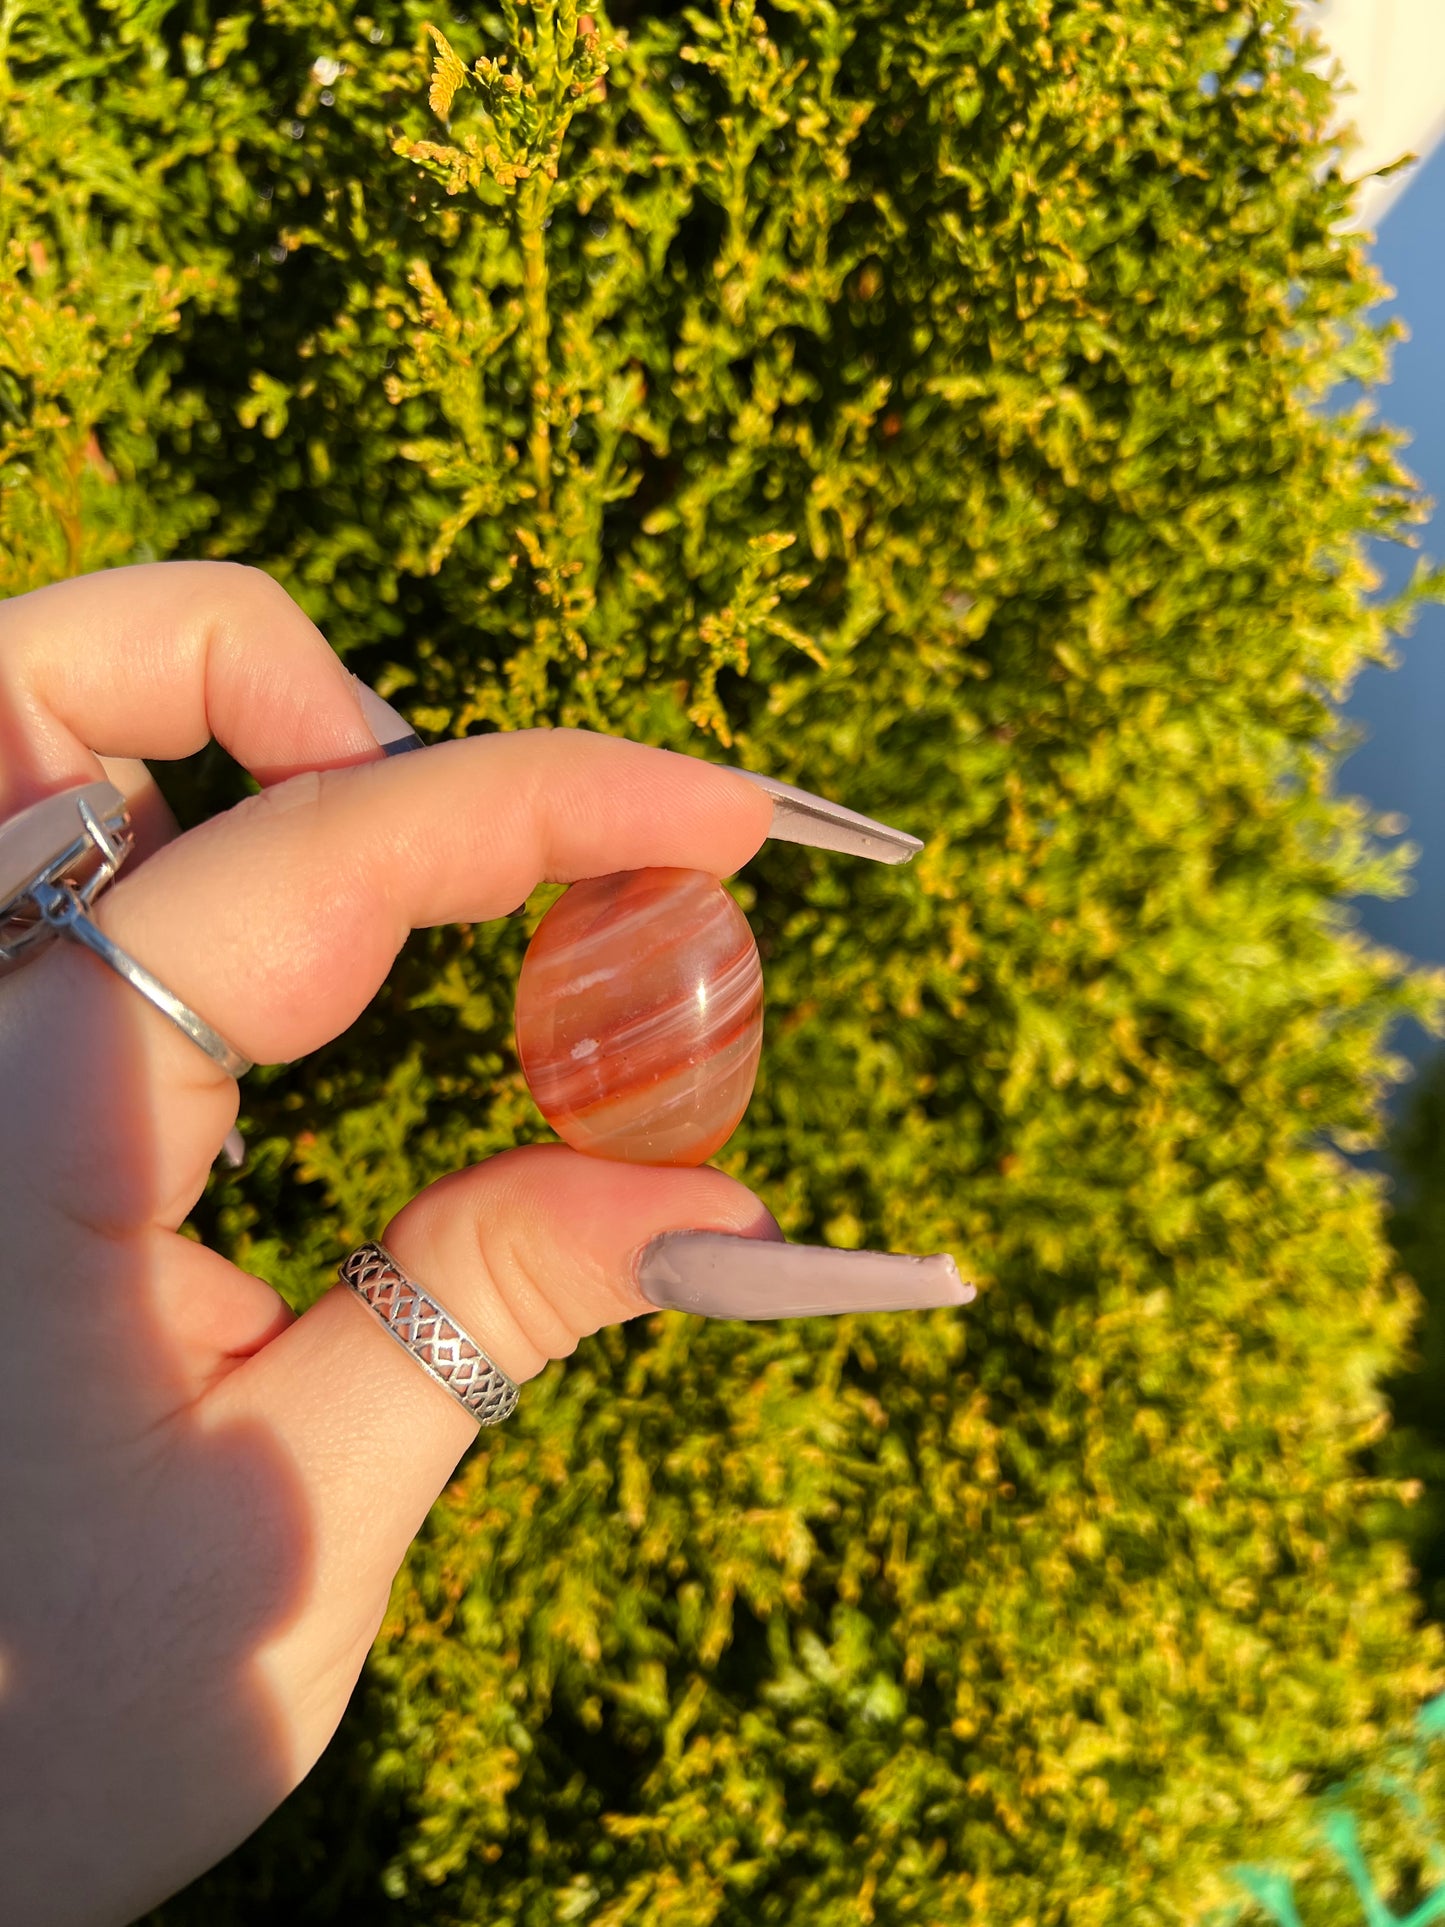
(205, 1498)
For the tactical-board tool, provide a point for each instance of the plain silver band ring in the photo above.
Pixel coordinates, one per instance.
(55, 858)
(430, 1335)
(75, 923)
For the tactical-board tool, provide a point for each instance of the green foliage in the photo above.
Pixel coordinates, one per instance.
(1415, 1449)
(921, 401)
(84, 292)
(1407, 1779)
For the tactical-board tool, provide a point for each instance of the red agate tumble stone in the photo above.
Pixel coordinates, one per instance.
(640, 1016)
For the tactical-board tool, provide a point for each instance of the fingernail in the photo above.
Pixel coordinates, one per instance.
(801, 817)
(393, 733)
(717, 1274)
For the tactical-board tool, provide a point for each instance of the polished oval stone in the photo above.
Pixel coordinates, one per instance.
(640, 1016)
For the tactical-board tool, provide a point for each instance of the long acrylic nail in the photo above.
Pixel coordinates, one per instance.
(717, 1274)
(393, 733)
(801, 817)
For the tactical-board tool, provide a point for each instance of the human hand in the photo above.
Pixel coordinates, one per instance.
(205, 1497)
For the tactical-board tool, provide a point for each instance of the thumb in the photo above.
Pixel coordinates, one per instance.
(528, 1253)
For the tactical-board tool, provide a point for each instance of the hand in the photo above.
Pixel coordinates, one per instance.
(205, 1497)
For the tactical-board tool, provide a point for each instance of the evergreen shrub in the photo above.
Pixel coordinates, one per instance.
(1407, 1775)
(1414, 1449)
(925, 401)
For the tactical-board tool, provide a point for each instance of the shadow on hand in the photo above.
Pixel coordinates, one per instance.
(150, 1553)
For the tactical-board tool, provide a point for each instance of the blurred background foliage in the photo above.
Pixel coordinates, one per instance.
(924, 402)
(1414, 1449)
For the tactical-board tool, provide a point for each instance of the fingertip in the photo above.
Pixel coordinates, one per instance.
(565, 1198)
(540, 1245)
(749, 809)
(680, 801)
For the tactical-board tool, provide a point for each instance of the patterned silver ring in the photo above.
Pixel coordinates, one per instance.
(433, 1338)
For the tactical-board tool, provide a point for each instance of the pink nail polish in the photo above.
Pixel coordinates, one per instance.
(716, 1274)
(393, 733)
(801, 817)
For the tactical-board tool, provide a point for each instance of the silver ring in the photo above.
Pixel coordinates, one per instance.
(55, 859)
(433, 1338)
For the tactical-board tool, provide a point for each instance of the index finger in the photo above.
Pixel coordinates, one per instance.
(278, 920)
(154, 661)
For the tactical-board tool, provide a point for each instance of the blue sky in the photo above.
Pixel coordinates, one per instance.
(1402, 765)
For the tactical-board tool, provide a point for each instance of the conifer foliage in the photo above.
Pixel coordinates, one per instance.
(920, 400)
